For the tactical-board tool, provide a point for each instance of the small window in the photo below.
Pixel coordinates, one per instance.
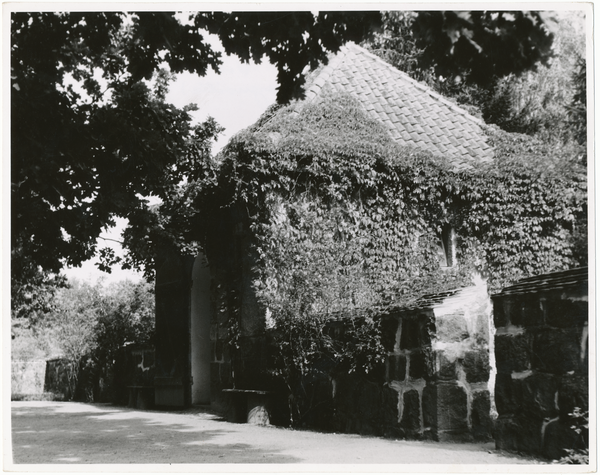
(447, 247)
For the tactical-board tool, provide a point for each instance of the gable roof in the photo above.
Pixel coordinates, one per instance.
(413, 113)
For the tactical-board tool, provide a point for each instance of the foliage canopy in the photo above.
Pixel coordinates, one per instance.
(542, 99)
(91, 134)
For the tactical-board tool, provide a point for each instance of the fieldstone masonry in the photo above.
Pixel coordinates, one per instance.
(439, 365)
(436, 381)
(541, 348)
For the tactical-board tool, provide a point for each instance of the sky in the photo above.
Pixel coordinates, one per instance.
(235, 99)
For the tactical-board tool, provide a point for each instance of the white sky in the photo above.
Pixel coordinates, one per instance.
(236, 98)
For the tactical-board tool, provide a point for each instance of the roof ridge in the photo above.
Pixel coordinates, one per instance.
(417, 84)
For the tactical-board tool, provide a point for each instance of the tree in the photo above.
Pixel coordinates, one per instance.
(72, 322)
(91, 135)
(86, 326)
(290, 40)
(480, 46)
(83, 153)
(397, 45)
(536, 101)
(540, 102)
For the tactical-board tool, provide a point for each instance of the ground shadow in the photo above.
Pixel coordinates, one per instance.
(107, 434)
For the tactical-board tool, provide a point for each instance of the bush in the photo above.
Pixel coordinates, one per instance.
(578, 455)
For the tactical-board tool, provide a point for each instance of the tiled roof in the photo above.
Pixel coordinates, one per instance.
(413, 113)
(573, 279)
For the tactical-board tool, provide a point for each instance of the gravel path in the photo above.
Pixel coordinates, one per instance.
(76, 433)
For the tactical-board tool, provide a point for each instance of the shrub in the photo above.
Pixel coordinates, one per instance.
(581, 454)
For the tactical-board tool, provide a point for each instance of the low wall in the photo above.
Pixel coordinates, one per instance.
(60, 378)
(541, 348)
(134, 366)
(27, 377)
(435, 383)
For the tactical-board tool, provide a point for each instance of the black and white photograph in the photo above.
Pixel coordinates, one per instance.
(298, 237)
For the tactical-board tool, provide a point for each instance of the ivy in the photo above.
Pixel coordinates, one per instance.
(344, 220)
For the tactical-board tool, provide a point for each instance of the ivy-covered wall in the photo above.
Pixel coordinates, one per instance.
(317, 213)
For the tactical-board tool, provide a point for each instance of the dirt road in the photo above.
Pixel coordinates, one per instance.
(75, 433)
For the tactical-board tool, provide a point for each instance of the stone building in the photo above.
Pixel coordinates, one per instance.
(436, 380)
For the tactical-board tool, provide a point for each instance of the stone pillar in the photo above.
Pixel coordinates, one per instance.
(462, 324)
(200, 331)
(173, 375)
(438, 364)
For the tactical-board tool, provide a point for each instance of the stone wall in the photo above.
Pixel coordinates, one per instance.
(134, 366)
(60, 378)
(436, 380)
(541, 348)
(462, 364)
(27, 377)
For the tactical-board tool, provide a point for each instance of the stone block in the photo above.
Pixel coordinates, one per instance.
(527, 312)
(409, 338)
(504, 395)
(482, 329)
(557, 351)
(573, 392)
(389, 330)
(258, 414)
(446, 368)
(451, 328)
(451, 408)
(536, 395)
(476, 365)
(530, 435)
(501, 309)
(396, 368)
(515, 312)
(513, 352)
(411, 414)
(430, 407)
(421, 364)
(566, 313)
(389, 412)
(481, 419)
(518, 434)
(427, 329)
(559, 436)
(506, 433)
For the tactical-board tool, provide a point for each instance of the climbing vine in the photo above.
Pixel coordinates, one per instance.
(343, 220)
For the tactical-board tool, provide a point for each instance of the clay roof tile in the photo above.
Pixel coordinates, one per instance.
(413, 113)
